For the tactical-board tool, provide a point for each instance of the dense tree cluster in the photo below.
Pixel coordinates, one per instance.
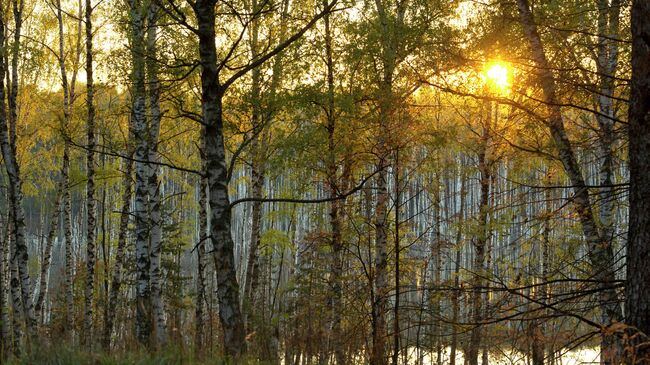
(334, 181)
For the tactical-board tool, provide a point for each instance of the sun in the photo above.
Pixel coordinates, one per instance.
(497, 76)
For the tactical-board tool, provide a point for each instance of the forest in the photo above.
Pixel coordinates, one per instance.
(316, 182)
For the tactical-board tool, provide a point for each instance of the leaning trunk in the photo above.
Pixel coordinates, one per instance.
(599, 248)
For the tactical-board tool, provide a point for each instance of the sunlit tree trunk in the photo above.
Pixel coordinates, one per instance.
(637, 290)
(156, 240)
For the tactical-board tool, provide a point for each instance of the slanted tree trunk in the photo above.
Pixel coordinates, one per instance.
(599, 248)
(637, 290)
(152, 180)
(91, 204)
(47, 254)
(116, 279)
(22, 280)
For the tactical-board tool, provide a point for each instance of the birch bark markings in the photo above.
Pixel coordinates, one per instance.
(91, 204)
(68, 96)
(216, 171)
(116, 280)
(481, 238)
(386, 101)
(335, 209)
(13, 171)
(47, 255)
(606, 63)
(138, 95)
(202, 262)
(212, 93)
(155, 218)
(599, 248)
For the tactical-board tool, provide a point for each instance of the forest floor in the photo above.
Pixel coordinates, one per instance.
(70, 356)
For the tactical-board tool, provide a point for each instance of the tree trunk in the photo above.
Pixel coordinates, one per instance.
(4, 310)
(141, 154)
(386, 111)
(153, 186)
(202, 261)
(456, 293)
(335, 209)
(637, 290)
(599, 248)
(90, 183)
(480, 241)
(47, 254)
(15, 184)
(216, 171)
(116, 280)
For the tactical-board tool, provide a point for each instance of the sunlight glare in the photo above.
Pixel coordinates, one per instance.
(497, 76)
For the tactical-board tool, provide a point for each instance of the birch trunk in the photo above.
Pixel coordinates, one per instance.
(4, 310)
(15, 184)
(335, 209)
(138, 92)
(201, 283)
(68, 95)
(599, 248)
(90, 183)
(607, 61)
(456, 293)
(386, 109)
(153, 186)
(257, 172)
(47, 254)
(16, 300)
(216, 171)
(116, 280)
